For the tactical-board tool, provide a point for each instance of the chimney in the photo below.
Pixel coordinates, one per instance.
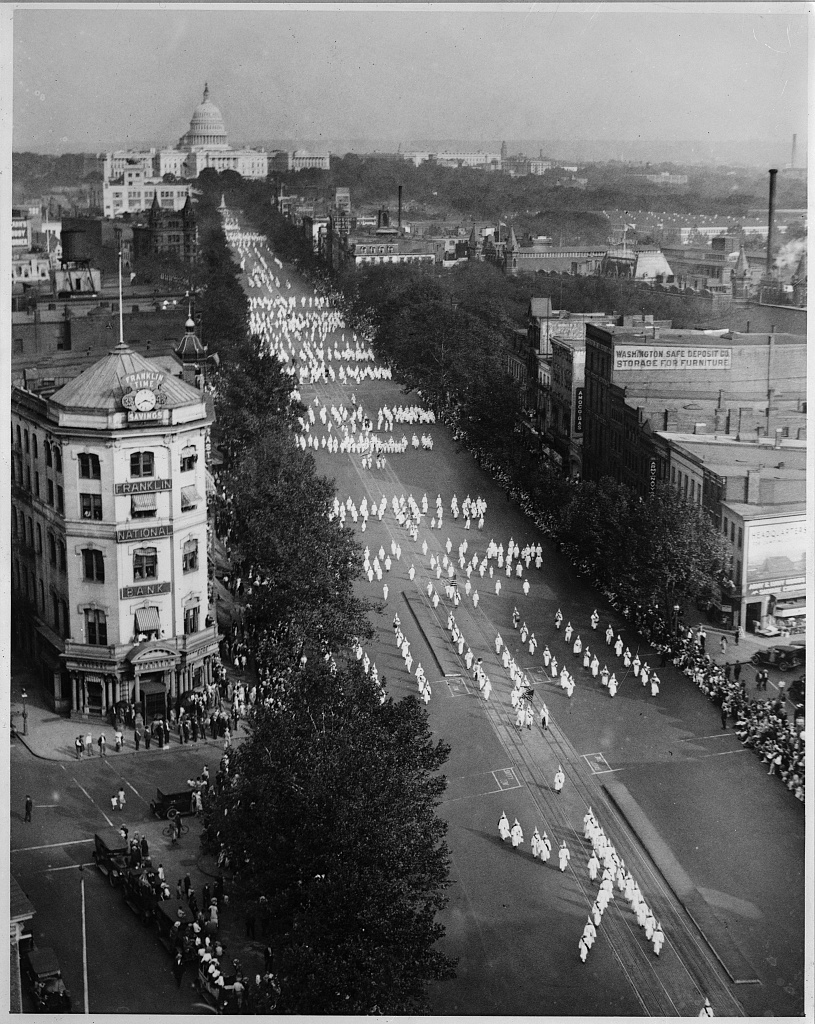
(770, 217)
(794, 145)
(399, 223)
(753, 486)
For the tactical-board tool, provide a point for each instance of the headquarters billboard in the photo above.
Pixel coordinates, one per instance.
(776, 557)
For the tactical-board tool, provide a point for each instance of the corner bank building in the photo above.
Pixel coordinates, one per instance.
(110, 537)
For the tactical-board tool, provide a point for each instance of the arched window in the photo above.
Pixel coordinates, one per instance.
(62, 563)
(19, 437)
(58, 459)
(189, 457)
(25, 439)
(89, 466)
(35, 446)
(52, 549)
(39, 539)
(93, 565)
(141, 464)
(48, 459)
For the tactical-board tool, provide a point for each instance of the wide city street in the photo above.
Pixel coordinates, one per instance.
(716, 846)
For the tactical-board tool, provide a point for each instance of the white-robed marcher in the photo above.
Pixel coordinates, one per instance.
(517, 835)
(545, 847)
(589, 932)
(658, 939)
(707, 1010)
(560, 779)
(503, 827)
(583, 949)
(563, 856)
(578, 646)
(535, 842)
(594, 866)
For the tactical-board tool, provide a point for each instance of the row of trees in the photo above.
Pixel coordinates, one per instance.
(444, 335)
(330, 807)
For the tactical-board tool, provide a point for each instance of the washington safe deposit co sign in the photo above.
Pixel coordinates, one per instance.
(670, 357)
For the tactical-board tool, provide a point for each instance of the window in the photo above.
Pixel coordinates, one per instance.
(27, 478)
(96, 627)
(19, 437)
(57, 459)
(190, 498)
(143, 506)
(145, 564)
(741, 536)
(732, 533)
(62, 562)
(29, 531)
(18, 345)
(25, 438)
(42, 596)
(35, 448)
(36, 484)
(90, 506)
(49, 461)
(141, 464)
(93, 565)
(189, 457)
(50, 484)
(55, 611)
(89, 466)
(190, 556)
(52, 549)
(63, 607)
(39, 539)
(191, 620)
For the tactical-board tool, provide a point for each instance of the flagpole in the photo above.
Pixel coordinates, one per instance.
(121, 313)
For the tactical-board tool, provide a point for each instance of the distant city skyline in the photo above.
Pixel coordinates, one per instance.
(594, 78)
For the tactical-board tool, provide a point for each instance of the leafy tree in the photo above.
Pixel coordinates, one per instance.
(331, 816)
(281, 528)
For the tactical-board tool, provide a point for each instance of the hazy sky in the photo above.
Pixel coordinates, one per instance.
(87, 78)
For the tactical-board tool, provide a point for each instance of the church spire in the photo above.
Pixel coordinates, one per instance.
(206, 91)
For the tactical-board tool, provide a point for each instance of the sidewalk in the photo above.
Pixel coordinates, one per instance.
(51, 736)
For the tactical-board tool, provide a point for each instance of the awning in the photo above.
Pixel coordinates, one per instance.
(93, 677)
(188, 450)
(190, 497)
(788, 613)
(147, 620)
(151, 686)
(143, 502)
(210, 483)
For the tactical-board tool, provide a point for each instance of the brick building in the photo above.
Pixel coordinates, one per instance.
(167, 233)
(741, 385)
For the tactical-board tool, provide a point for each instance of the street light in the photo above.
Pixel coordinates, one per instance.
(25, 713)
(676, 617)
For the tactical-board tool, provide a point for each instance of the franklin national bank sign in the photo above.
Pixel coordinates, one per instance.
(671, 357)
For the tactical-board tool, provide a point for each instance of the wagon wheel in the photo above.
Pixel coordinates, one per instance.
(172, 813)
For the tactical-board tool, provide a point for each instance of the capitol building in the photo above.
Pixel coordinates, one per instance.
(132, 178)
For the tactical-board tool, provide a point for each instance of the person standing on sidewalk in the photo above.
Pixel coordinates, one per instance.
(29, 806)
(89, 744)
(79, 744)
(103, 743)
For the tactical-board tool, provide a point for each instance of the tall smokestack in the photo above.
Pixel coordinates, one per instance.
(399, 223)
(770, 218)
(794, 146)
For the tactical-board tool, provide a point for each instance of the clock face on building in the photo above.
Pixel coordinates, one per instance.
(144, 400)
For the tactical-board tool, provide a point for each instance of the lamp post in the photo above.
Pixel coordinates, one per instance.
(676, 617)
(84, 936)
(25, 713)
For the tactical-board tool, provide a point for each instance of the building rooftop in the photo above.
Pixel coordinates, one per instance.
(765, 511)
(100, 387)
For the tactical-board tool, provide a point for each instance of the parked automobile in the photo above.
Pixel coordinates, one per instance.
(110, 855)
(44, 974)
(169, 803)
(782, 657)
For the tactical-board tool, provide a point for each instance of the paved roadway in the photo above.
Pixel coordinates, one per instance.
(513, 923)
(129, 971)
